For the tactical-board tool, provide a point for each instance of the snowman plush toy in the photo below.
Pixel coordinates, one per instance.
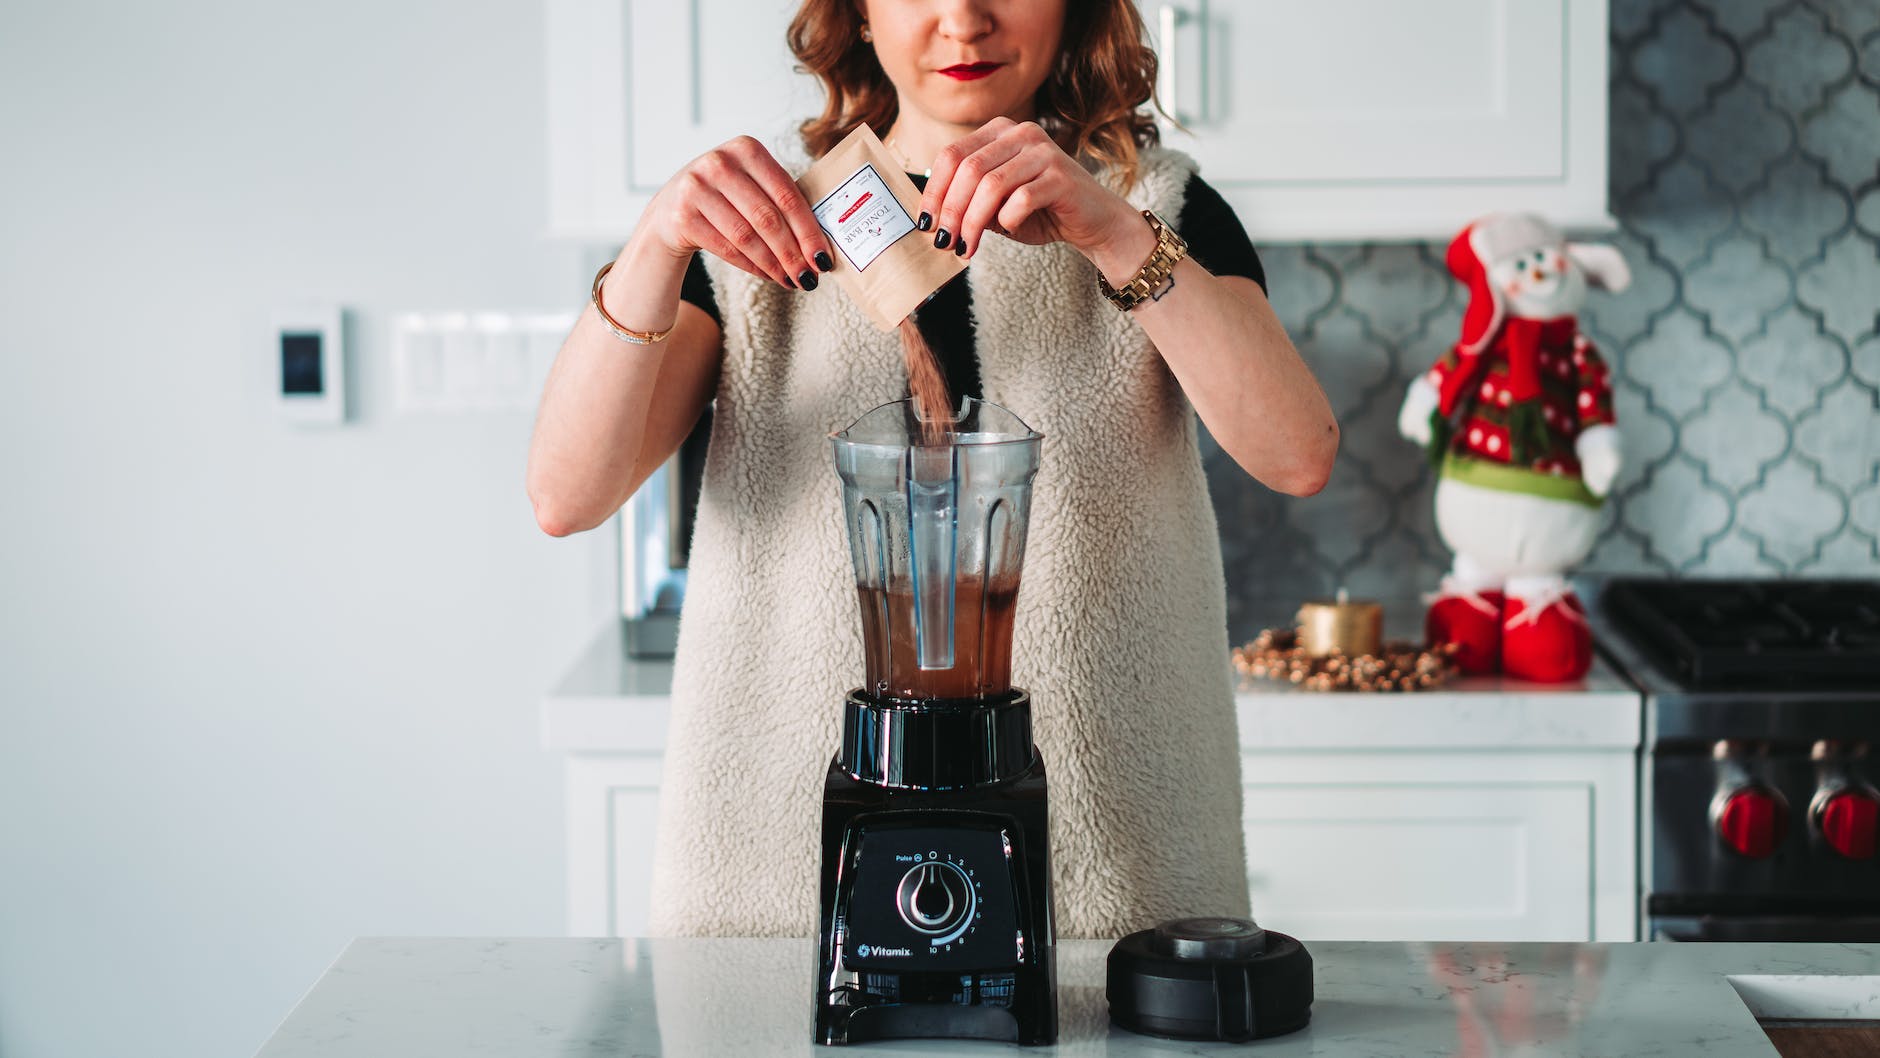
(1517, 417)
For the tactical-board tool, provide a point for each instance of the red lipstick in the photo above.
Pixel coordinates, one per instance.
(971, 71)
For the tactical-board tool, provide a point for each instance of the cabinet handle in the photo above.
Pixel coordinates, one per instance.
(697, 64)
(1171, 67)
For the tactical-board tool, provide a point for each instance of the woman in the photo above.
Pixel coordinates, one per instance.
(1028, 114)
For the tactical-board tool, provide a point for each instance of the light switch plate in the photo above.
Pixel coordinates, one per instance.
(473, 361)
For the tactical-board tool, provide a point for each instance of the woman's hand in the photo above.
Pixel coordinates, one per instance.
(735, 202)
(1012, 178)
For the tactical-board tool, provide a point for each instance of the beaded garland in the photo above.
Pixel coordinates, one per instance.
(1397, 666)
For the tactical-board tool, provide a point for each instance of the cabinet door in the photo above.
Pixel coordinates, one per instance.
(1464, 861)
(702, 71)
(1370, 118)
(1338, 119)
(612, 806)
(633, 824)
(637, 88)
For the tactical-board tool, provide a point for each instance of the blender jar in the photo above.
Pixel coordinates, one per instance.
(937, 535)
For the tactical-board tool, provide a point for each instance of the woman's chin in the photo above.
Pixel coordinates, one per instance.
(964, 104)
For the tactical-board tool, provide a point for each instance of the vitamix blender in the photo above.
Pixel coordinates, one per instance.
(936, 875)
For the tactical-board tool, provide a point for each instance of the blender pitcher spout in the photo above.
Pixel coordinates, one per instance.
(932, 499)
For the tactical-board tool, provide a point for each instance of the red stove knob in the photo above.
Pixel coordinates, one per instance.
(1849, 822)
(1752, 820)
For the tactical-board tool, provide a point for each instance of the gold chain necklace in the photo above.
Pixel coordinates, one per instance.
(901, 156)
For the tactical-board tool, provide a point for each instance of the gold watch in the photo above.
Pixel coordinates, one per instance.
(1153, 279)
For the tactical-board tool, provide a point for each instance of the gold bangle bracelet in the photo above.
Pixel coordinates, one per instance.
(625, 334)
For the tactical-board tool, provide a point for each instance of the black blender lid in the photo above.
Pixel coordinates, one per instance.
(1210, 979)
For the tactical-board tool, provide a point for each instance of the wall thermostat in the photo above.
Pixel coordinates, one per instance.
(310, 357)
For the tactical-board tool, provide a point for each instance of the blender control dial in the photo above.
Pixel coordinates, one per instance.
(937, 900)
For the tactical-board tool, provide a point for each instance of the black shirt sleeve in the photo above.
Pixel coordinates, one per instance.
(697, 288)
(1214, 234)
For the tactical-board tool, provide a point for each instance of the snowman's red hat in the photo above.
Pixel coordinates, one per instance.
(1483, 243)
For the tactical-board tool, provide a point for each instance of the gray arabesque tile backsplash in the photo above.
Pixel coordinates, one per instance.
(1745, 175)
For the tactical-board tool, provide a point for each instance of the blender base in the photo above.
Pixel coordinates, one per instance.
(936, 910)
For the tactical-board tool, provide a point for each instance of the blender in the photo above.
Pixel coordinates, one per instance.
(936, 878)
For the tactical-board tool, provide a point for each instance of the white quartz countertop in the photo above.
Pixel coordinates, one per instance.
(607, 702)
(521, 998)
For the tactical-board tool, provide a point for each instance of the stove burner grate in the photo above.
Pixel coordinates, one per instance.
(1726, 633)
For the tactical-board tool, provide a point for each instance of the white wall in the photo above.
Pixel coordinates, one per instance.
(263, 689)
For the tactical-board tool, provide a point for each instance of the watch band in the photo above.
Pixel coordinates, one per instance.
(1152, 280)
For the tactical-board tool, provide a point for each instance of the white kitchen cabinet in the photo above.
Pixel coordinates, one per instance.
(1489, 809)
(1388, 846)
(612, 802)
(1339, 119)
(1363, 119)
(1356, 846)
(637, 88)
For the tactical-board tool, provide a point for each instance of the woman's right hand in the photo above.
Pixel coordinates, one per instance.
(735, 202)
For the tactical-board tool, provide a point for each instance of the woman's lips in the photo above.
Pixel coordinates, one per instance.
(971, 71)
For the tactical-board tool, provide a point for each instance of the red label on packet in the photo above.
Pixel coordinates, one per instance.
(850, 212)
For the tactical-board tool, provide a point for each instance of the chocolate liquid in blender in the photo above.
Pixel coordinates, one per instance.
(982, 640)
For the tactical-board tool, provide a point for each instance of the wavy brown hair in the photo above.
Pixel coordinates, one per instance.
(1092, 104)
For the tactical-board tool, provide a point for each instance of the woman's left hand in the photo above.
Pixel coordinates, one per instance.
(1012, 178)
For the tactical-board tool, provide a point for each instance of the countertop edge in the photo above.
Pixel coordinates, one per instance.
(541, 995)
(604, 702)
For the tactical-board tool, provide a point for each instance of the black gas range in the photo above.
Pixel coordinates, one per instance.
(1758, 773)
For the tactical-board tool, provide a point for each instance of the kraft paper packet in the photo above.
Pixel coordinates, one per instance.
(867, 206)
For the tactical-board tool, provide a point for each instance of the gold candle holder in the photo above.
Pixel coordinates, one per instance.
(1340, 626)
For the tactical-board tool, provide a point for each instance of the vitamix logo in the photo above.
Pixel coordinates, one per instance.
(865, 951)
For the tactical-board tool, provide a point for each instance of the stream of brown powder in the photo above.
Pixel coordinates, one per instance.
(927, 384)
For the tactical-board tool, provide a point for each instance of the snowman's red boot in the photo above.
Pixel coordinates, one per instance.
(1544, 635)
(1470, 619)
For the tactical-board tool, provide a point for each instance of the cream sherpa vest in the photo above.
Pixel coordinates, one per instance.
(1120, 630)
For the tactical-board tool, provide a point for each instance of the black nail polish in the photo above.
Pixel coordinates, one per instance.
(941, 238)
(823, 262)
(787, 283)
(924, 221)
(960, 248)
(806, 279)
